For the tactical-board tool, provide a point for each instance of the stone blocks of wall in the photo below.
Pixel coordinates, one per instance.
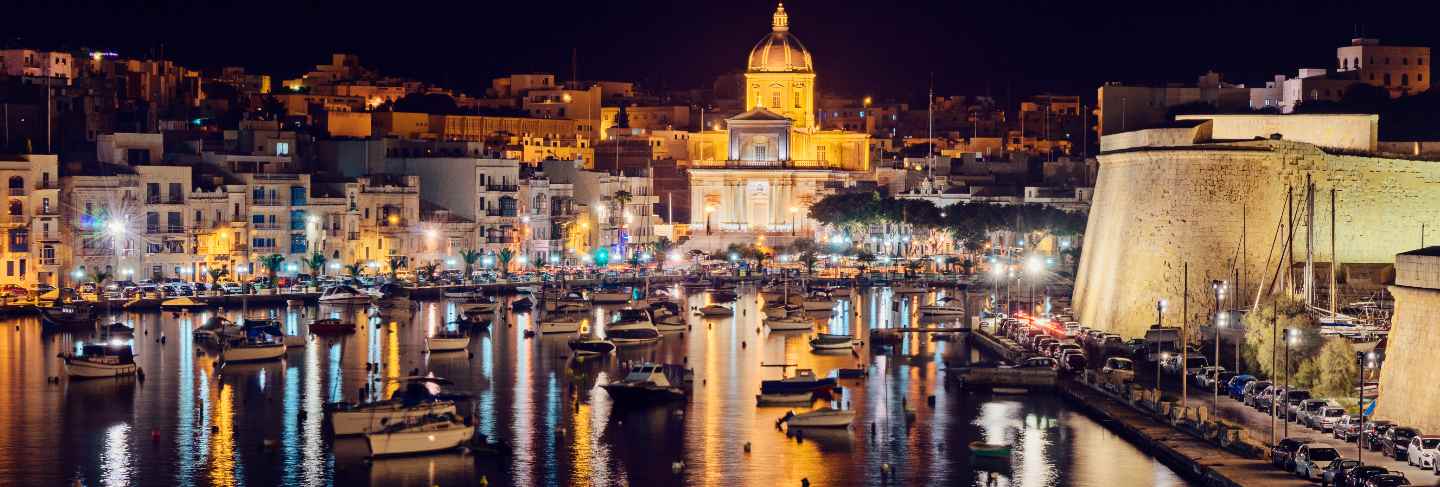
(1407, 395)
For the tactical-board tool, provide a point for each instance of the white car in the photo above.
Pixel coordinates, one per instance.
(1326, 419)
(1312, 458)
(1423, 451)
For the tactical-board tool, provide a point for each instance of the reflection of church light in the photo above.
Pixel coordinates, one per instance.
(115, 464)
(186, 444)
(520, 424)
(392, 359)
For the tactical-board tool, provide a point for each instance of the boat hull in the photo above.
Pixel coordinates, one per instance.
(822, 419)
(785, 399)
(941, 311)
(82, 369)
(819, 305)
(789, 324)
(795, 387)
(637, 394)
(592, 347)
(422, 441)
(365, 420)
(831, 344)
(437, 344)
(253, 354)
(549, 327)
(609, 298)
(353, 299)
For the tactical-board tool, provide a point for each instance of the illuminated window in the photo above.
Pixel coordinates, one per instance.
(282, 148)
(775, 98)
(762, 152)
(820, 153)
(798, 99)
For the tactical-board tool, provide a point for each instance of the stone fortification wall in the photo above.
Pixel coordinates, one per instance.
(1408, 394)
(1155, 210)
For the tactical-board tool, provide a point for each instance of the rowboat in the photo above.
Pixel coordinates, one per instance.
(448, 341)
(826, 341)
(790, 323)
(785, 399)
(716, 310)
(561, 324)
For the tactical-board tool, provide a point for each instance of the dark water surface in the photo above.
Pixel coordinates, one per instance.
(262, 424)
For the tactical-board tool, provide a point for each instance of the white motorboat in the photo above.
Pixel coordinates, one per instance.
(716, 310)
(610, 296)
(632, 327)
(183, 303)
(793, 322)
(448, 341)
(826, 341)
(97, 360)
(671, 323)
(785, 399)
(561, 324)
(217, 330)
(649, 383)
(420, 435)
(343, 294)
(944, 307)
(820, 418)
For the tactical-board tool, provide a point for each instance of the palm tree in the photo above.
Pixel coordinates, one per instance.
(397, 262)
(427, 270)
(912, 268)
(504, 257)
(967, 265)
(99, 277)
(272, 265)
(470, 257)
(808, 258)
(354, 270)
(216, 273)
(316, 262)
(661, 248)
(865, 258)
(623, 198)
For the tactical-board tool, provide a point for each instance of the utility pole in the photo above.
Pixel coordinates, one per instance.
(1360, 396)
(1334, 261)
(1185, 337)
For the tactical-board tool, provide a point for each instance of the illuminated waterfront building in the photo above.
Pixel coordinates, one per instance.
(761, 173)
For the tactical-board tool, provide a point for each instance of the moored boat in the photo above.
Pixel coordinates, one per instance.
(331, 326)
(343, 294)
(716, 310)
(990, 450)
(183, 302)
(798, 321)
(464, 292)
(785, 399)
(944, 307)
(649, 383)
(632, 327)
(448, 341)
(98, 360)
(804, 380)
(414, 399)
(820, 418)
(826, 341)
(610, 296)
(588, 346)
(430, 433)
(818, 301)
(569, 323)
(257, 345)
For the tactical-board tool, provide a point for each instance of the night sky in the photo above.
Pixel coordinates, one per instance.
(1005, 48)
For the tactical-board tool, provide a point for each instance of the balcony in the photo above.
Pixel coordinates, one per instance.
(353, 236)
(17, 191)
(51, 184)
(504, 188)
(175, 229)
(501, 212)
(266, 226)
(268, 202)
(500, 240)
(270, 176)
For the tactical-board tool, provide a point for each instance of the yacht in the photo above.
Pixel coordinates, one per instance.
(417, 397)
(343, 294)
(649, 383)
(779, 309)
(947, 306)
(448, 341)
(820, 418)
(818, 301)
(96, 360)
(667, 316)
(589, 346)
(478, 305)
(632, 327)
(430, 433)
(610, 296)
(217, 330)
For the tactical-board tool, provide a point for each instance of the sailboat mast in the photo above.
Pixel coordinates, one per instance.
(1309, 242)
(1334, 260)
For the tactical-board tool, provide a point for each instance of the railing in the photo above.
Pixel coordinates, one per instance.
(175, 229)
(353, 236)
(52, 184)
(266, 226)
(152, 229)
(267, 176)
(508, 188)
(499, 240)
(501, 212)
(175, 200)
(17, 191)
(267, 202)
(765, 165)
(151, 199)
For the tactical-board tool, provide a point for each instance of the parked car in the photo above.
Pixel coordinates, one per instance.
(1205, 377)
(1237, 386)
(1120, 369)
(40, 288)
(1334, 473)
(1311, 459)
(1265, 399)
(1135, 347)
(14, 291)
(1391, 479)
(1074, 361)
(1422, 451)
(1325, 419)
(1038, 362)
(1373, 434)
(1112, 344)
(1302, 412)
(1293, 397)
(1283, 453)
(1397, 440)
(1252, 390)
(1357, 476)
(1348, 429)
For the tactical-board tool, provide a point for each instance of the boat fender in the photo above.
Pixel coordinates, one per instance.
(805, 482)
(155, 435)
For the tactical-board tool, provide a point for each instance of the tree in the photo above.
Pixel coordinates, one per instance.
(1336, 369)
(427, 271)
(865, 258)
(661, 248)
(316, 262)
(966, 265)
(470, 257)
(623, 198)
(912, 267)
(504, 257)
(1260, 336)
(808, 258)
(396, 263)
(622, 119)
(354, 270)
(216, 273)
(272, 265)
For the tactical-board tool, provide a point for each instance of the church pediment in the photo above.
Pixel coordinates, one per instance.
(758, 114)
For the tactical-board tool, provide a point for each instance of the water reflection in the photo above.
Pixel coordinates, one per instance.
(195, 423)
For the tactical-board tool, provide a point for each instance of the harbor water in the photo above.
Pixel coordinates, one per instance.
(189, 421)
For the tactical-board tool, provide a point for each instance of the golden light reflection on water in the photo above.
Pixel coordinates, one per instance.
(223, 456)
(115, 465)
(392, 358)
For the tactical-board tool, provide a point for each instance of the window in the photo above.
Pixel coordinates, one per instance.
(1404, 79)
(1419, 61)
(177, 193)
(45, 205)
(761, 152)
(820, 153)
(1404, 61)
(19, 240)
(1387, 79)
(1419, 78)
(798, 99)
(775, 98)
(16, 208)
(1344, 63)
(174, 222)
(282, 148)
(9, 268)
(47, 255)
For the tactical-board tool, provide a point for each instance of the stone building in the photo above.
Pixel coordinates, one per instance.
(1171, 196)
(1412, 342)
(1402, 70)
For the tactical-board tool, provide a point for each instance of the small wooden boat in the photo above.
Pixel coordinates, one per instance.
(70, 314)
(98, 360)
(183, 303)
(826, 341)
(591, 346)
(716, 310)
(331, 326)
(421, 435)
(818, 301)
(804, 380)
(785, 399)
(448, 341)
(478, 305)
(820, 418)
(989, 450)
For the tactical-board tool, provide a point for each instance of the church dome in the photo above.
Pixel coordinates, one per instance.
(780, 51)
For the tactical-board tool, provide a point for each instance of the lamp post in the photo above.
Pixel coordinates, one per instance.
(1219, 287)
(794, 214)
(1035, 266)
(1275, 399)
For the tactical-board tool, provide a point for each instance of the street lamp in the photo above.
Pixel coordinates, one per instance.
(1219, 288)
(794, 213)
(1160, 313)
(708, 210)
(1291, 336)
(1034, 265)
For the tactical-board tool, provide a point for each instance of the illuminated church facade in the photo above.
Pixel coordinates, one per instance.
(762, 171)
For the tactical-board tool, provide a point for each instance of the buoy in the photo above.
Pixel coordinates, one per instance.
(805, 482)
(742, 343)
(155, 435)
(676, 467)
(747, 447)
